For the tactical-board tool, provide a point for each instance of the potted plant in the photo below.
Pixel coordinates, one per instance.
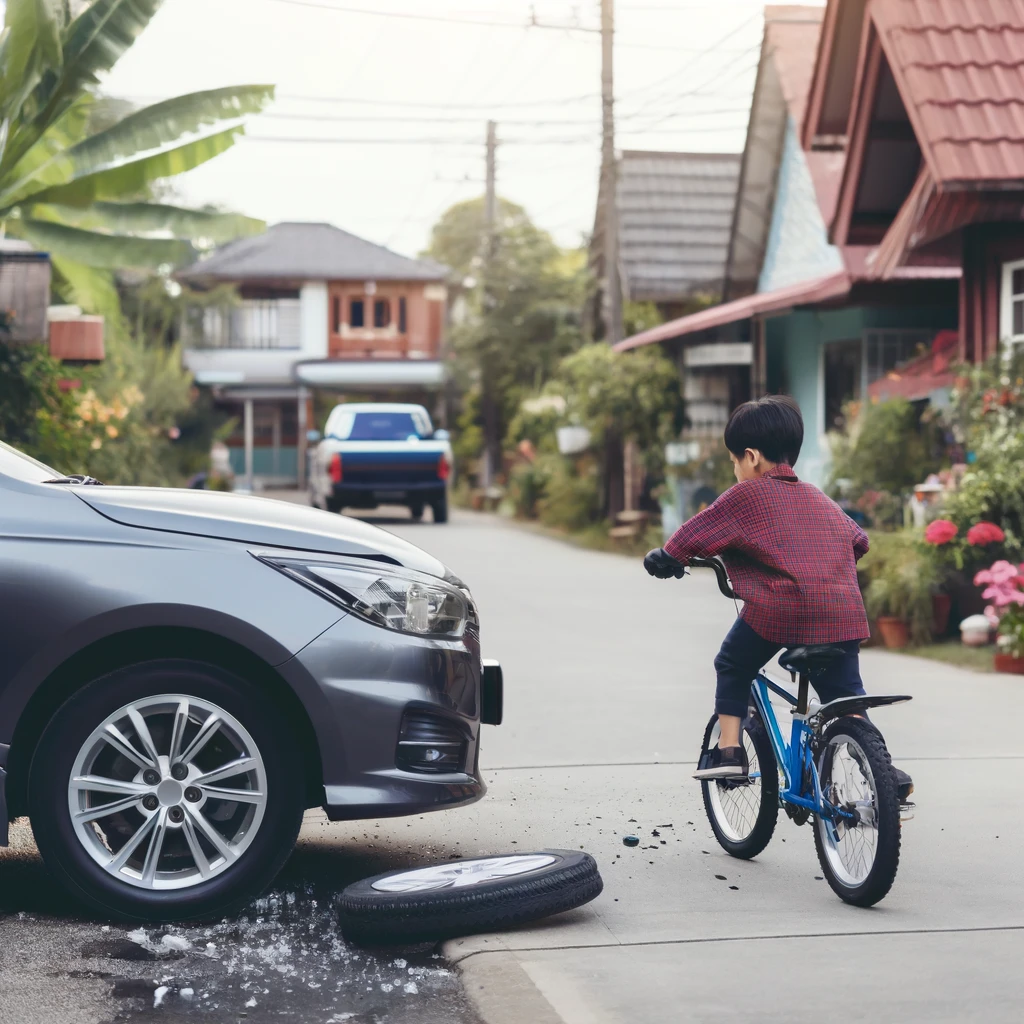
(1004, 589)
(901, 584)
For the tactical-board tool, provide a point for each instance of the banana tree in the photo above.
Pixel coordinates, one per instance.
(85, 197)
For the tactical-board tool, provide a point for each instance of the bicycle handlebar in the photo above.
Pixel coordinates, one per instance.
(720, 571)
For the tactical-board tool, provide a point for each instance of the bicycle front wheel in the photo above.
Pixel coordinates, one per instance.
(859, 858)
(743, 813)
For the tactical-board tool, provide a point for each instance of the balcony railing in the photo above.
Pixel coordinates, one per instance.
(252, 324)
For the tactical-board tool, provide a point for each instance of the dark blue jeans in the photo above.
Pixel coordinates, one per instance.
(744, 653)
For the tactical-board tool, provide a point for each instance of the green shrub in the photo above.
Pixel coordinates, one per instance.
(571, 500)
(901, 581)
(526, 487)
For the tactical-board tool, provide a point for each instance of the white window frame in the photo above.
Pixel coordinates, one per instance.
(1006, 297)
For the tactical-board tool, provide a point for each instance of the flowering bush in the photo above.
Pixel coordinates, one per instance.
(984, 533)
(1004, 589)
(941, 531)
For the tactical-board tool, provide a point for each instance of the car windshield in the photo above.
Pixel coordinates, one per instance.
(380, 426)
(20, 466)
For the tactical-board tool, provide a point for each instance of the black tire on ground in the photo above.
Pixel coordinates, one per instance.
(882, 874)
(440, 509)
(416, 511)
(374, 918)
(70, 727)
(746, 838)
(333, 505)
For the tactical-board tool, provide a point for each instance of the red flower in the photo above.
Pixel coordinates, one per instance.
(942, 531)
(985, 533)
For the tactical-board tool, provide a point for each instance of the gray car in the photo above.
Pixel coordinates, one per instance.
(183, 673)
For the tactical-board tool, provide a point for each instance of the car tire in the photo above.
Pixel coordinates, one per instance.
(440, 509)
(558, 880)
(249, 724)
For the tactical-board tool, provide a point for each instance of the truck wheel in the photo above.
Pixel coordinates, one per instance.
(333, 505)
(463, 897)
(440, 509)
(416, 511)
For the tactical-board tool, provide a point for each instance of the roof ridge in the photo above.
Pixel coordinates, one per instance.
(1004, 26)
(964, 102)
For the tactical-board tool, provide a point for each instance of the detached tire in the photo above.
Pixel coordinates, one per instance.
(464, 897)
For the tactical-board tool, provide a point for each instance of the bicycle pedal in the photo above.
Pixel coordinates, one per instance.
(907, 811)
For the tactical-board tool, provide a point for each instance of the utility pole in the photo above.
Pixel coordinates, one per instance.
(492, 443)
(610, 178)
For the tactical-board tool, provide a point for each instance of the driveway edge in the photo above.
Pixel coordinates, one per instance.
(498, 988)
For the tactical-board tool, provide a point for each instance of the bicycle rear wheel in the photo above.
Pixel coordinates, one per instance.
(858, 860)
(743, 813)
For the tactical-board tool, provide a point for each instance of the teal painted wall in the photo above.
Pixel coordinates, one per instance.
(795, 361)
(263, 462)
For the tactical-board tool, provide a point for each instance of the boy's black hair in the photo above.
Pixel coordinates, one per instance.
(771, 425)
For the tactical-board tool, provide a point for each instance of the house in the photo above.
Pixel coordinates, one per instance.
(28, 317)
(304, 308)
(879, 207)
(674, 215)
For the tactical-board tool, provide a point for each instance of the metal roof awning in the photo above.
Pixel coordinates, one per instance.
(819, 289)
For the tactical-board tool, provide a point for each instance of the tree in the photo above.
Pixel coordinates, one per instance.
(76, 173)
(523, 308)
(619, 397)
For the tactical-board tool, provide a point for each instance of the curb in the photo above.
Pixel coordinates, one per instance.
(498, 988)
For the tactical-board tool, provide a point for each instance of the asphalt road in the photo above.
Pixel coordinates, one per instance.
(608, 688)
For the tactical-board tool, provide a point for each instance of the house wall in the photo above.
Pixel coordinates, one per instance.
(795, 355)
(313, 326)
(798, 248)
(986, 247)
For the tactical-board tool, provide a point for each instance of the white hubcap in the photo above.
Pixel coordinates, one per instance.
(463, 874)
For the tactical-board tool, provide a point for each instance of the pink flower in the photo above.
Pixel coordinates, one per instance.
(985, 533)
(1004, 586)
(942, 531)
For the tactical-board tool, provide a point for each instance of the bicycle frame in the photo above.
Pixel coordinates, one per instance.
(795, 758)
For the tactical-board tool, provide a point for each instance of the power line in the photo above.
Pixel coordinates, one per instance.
(417, 119)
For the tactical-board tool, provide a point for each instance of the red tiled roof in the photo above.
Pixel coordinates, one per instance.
(959, 66)
(791, 36)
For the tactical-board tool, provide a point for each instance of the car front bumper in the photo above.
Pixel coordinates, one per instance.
(369, 684)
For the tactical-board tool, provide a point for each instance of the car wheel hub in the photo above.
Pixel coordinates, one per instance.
(167, 792)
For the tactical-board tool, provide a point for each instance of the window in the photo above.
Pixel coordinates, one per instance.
(403, 316)
(336, 314)
(842, 379)
(356, 313)
(1011, 317)
(382, 313)
(885, 350)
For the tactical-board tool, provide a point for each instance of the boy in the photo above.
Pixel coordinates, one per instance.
(792, 555)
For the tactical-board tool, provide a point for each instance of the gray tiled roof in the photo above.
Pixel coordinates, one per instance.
(310, 252)
(675, 215)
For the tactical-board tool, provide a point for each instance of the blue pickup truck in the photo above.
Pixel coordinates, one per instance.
(381, 454)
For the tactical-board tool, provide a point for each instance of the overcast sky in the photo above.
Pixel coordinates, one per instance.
(387, 106)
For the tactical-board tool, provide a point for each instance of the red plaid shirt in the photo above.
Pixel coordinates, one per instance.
(791, 553)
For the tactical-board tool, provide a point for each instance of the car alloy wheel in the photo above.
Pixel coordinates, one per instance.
(167, 792)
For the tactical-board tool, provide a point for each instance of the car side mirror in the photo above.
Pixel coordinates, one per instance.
(313, 436)
(441, 435)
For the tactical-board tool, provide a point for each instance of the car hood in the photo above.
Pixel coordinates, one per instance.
(251, 520)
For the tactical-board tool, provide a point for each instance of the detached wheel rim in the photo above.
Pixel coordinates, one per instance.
(167, 792)
(463, 874)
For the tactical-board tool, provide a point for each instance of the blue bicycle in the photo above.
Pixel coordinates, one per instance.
(835, 769)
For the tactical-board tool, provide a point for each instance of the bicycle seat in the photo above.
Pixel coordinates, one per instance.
(810, 657)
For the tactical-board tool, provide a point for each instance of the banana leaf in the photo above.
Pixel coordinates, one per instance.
(113, 252)
(151, 218)
(84, 286)
(92, 44)
(127, 179)
(31, 45)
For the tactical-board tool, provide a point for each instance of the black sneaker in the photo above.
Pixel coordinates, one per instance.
(723, 763)
(906, 784)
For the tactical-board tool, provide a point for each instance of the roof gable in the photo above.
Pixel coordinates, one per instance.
(308, 251)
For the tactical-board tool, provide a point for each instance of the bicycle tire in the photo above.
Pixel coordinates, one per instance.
(880, 876)
(750, 845)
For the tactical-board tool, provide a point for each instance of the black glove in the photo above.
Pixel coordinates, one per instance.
(661, 564)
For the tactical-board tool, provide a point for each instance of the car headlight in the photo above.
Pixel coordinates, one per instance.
(395, 598)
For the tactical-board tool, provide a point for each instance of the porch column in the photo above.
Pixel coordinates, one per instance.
(301, 445)
(275, 429)
(249, 430)
(758, 362)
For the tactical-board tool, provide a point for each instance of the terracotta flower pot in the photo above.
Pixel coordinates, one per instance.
(1008, 663)
(894, 632)
(941, 606)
